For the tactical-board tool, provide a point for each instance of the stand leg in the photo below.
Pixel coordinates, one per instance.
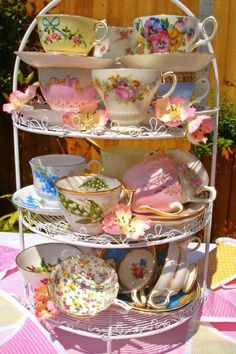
(109, 346)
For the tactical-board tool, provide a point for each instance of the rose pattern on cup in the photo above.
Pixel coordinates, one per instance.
(56, 34)
(139, 269)
(158, 35)
(122, 88)
(189, 172)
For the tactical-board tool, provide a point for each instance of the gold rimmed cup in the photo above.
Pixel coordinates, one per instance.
(86, 198)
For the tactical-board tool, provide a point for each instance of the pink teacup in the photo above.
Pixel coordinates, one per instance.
(156, 184)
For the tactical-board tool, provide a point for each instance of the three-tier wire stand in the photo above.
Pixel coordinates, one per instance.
(110, 324)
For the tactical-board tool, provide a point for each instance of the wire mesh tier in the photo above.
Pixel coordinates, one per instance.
(57, 228)
(151, 130)
(110, 324)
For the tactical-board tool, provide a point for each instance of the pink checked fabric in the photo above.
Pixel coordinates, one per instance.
(7, 259)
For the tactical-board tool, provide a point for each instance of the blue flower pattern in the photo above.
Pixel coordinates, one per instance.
(47, 183)
(31, 202)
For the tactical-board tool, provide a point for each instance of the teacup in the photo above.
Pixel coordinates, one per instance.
(127, 93)
(159, 189)
(171, 33)
(47, 169)
(193, 177)
(66, 89)
(186, 90)
(156, 183)
(85, 199)
(35, 263)
(117, 160)
(178, 279)
(119, 42)
(84, 285)
(66, 33)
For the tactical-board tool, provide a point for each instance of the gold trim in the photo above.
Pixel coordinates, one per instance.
(60, 189)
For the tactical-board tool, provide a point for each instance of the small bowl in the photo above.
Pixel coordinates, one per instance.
(68, 89)
(83, 285)
(47, 169)
(30, 260)
(85, 199)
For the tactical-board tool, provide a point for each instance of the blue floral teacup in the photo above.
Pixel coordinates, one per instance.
(47, 169)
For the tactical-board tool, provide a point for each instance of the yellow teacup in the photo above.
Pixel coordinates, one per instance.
(66, 33)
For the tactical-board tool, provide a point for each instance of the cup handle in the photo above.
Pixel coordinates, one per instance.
(207, 88)
(99, 166)
(202, 25)
(174, 83)
(121, 304)
(163, 213)
(212, 195)
(101, 24)
(128, 194)
(184, 244)
(138, 297)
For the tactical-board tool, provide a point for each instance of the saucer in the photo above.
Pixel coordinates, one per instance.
(119, 260)
(190, 211)
(168, 61)
(28, 199)
(59, 60)
(43, 112)
(136, 269)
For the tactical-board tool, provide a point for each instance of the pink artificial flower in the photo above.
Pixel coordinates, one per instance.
(121, 221)
(123, 92)
(19, 99)
(172, 111)
(44, 307)
(86, 121)
(160, 41)
(197, 129)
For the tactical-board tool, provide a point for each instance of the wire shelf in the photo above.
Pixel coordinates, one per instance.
(57, 228)
(110, 324)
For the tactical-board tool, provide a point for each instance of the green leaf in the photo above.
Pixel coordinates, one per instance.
(20, 78)
(84, 221)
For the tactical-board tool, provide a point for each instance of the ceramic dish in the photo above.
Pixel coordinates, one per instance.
(177, 302)
(190, 211)
(136, 269)
(116, 258)
(59, 60)
(191, 278)
(28, 199)
(43, 113)
(168, 61)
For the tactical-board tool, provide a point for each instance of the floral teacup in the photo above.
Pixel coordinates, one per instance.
(171, 33)
(66, 33)
(127, 93)
(68, 89)
(85, 199)
(117, 43)
(47, 169)
(84, 285)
